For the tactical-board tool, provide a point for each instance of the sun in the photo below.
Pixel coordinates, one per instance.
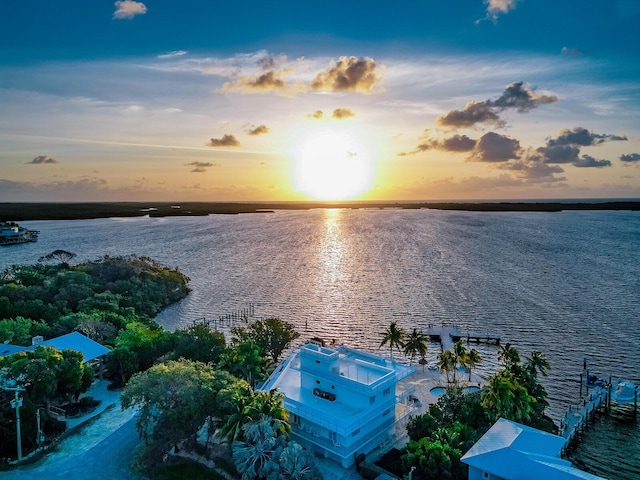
(332, 164)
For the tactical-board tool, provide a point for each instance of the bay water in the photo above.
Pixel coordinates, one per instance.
(565, 283)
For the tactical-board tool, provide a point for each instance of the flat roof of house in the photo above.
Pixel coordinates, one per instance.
(360, 368)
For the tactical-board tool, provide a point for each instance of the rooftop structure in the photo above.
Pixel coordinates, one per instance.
(510, 451)
(342, 402)
(71, 341)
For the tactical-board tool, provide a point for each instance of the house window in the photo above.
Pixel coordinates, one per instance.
(386, 391)
(386, 412)
(372, 400)
(333, 436)
(355, 432)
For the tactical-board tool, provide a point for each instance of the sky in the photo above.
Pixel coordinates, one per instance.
(428, 100)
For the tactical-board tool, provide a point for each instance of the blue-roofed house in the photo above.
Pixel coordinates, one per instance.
(341, 401)
(90, 349)
(511, 451)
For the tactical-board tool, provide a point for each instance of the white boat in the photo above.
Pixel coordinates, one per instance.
(11, 234)
(624, 393)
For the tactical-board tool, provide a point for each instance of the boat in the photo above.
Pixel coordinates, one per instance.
(624, 393)
(12, 234)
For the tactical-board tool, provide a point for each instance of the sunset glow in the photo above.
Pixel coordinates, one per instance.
(332, 165)
(132, 102)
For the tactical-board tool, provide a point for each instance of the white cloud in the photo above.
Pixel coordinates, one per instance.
(176, 53)
(127, 9)
(497, 7)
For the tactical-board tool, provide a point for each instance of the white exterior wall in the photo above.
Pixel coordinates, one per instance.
(362, 415)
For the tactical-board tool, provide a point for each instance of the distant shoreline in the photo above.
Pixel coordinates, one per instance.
(83, 211)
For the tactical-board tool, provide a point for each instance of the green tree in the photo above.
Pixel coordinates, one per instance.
(256, 457)
(510, 358)
(272, 336)
(20, 331)
(298, 464)
(49, 375)
(473, 360)
(415, 344)
(244, 359)
(448, 365)
(199, 343)
(394, 336)
(270, 404)
(138, 346)
(175, 400)
(505, 397)
(433, 460)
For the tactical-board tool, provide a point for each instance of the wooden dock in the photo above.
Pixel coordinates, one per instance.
(447, 335)
(598, 398)
(578, 417)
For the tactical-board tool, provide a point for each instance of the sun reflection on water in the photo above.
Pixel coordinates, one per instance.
(333, 249)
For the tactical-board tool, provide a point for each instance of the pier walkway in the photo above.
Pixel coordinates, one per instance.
(447, 335)
(597, 398)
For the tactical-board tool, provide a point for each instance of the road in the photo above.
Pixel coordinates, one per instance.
(108, 459)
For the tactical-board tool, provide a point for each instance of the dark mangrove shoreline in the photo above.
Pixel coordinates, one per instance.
(81, 211)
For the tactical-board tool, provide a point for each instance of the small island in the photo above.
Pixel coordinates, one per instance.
(77, 211)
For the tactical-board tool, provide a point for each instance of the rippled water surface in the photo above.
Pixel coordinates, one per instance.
(567, 284)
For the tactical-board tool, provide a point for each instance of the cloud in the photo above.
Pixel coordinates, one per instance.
(349, 74)
(532, 167)
(559, 153)
(271, 62)
(266, 82)
(259, 130)
(456, 144)
(493, 147)
(127, 9)
(474, 112)
(630, 158)
(42, 159)
(200, 167)
(318, 114)
(497, 7)
(583, 137)
(588, 161)
(342, 113)
(518, 95)
(226, 141)
(174, 54)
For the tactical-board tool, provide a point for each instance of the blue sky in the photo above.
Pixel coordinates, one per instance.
(472, 99)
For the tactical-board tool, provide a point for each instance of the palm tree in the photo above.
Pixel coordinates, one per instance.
(269, 404)
(254, 456)
(297, 464)
(509, 356)
(394, 336)
(506, 397)
(416, 344)
(447, 364)
(473, 359)
(460, 356)
(537, 362)
(231, 431)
